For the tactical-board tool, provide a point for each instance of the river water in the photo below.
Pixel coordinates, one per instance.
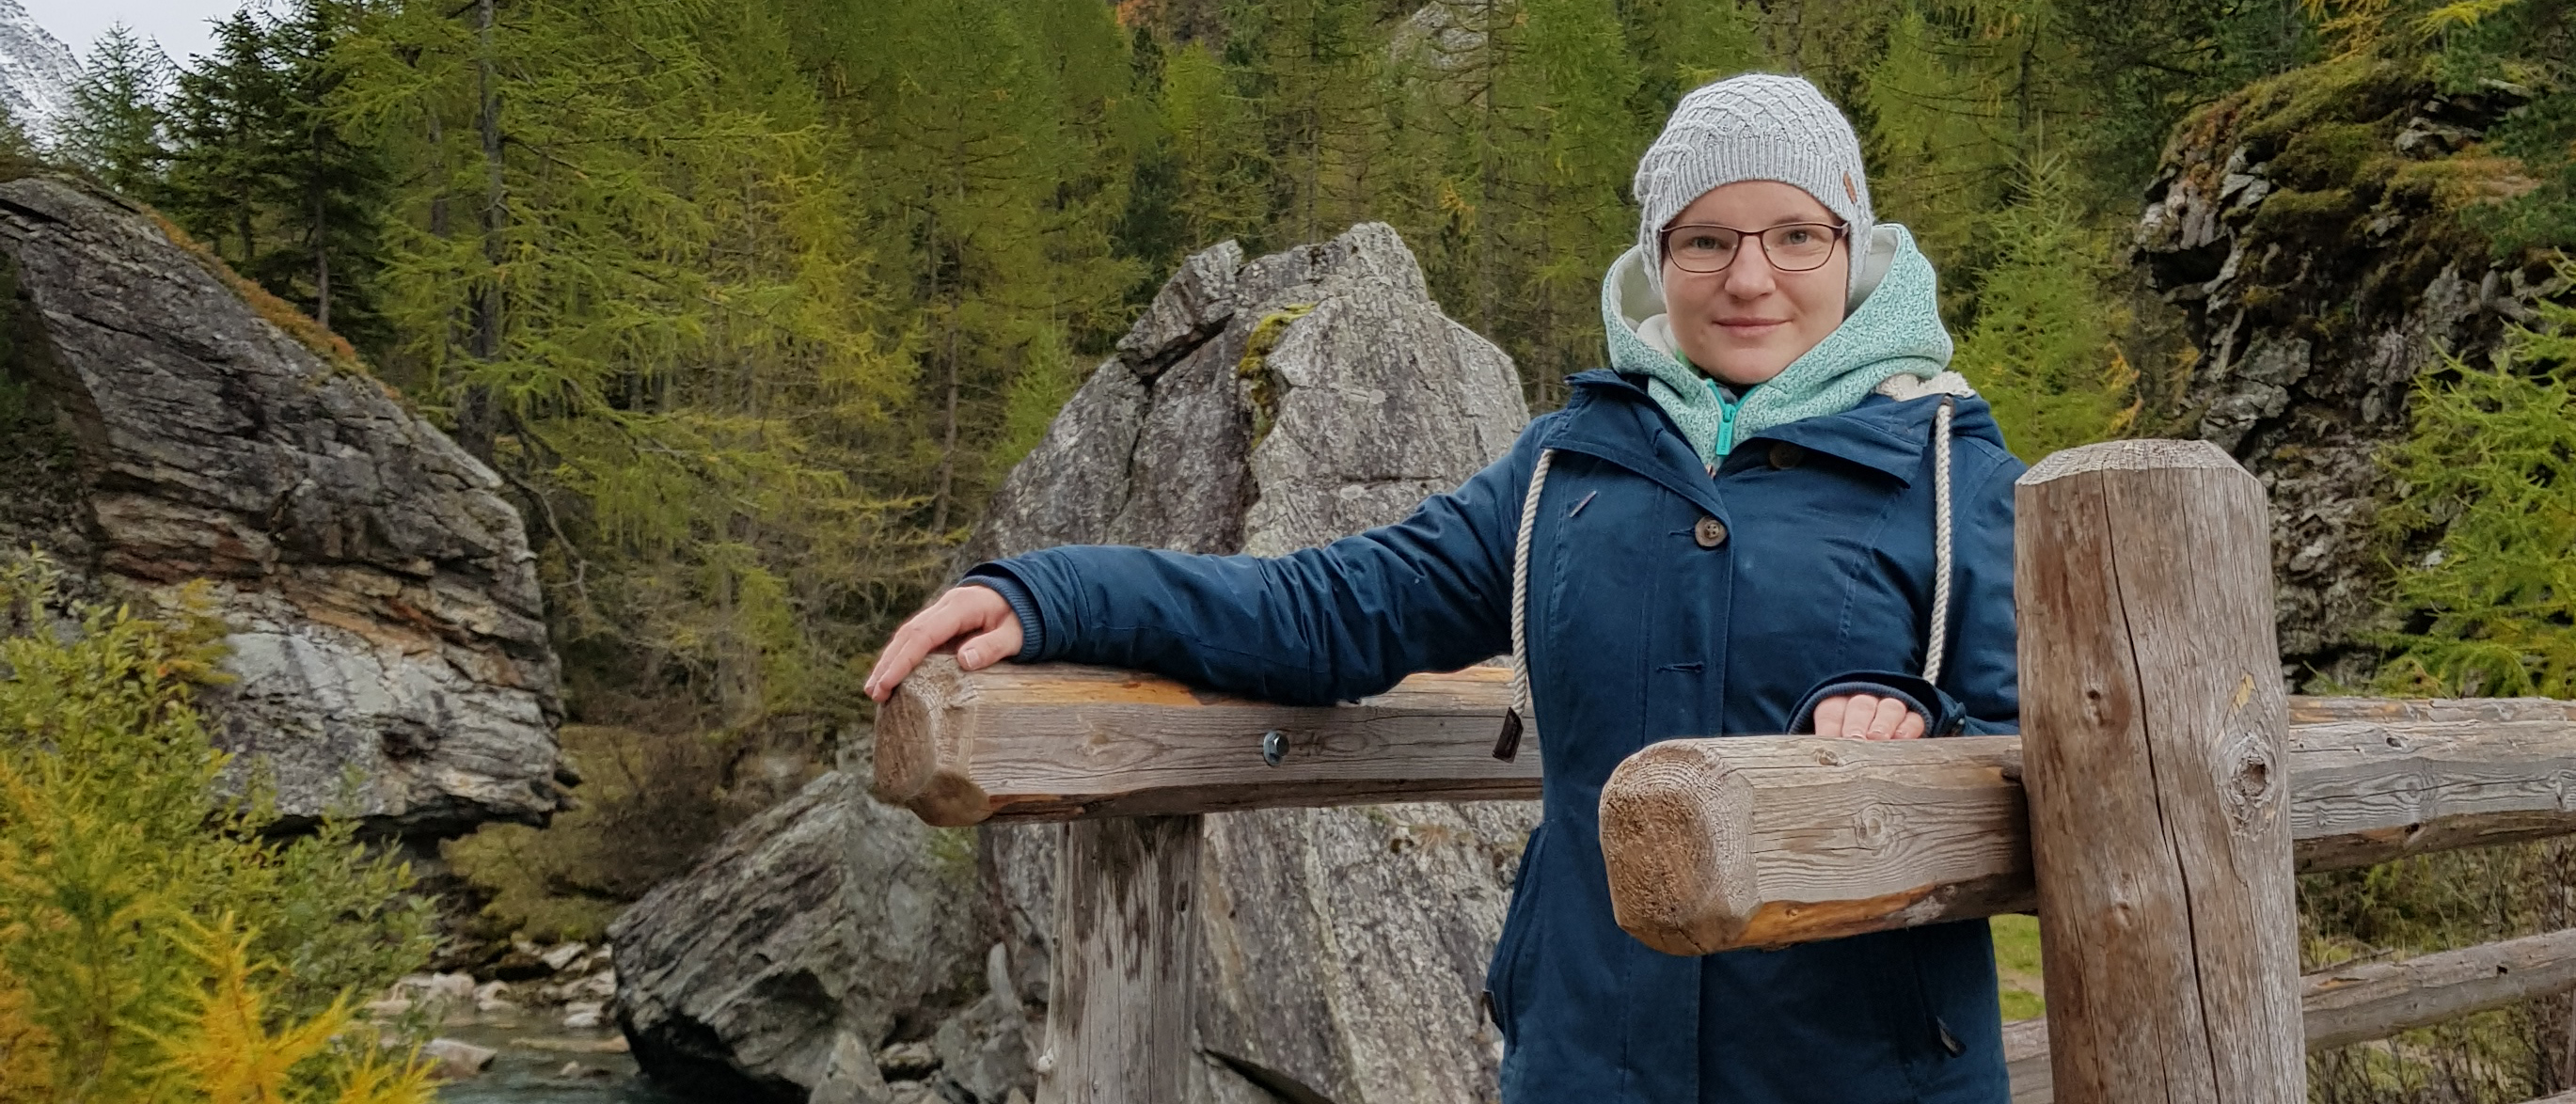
(531, 1068)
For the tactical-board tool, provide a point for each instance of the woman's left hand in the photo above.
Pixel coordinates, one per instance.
(1867, 717)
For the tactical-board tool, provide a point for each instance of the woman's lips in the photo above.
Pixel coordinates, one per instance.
(1751, 327)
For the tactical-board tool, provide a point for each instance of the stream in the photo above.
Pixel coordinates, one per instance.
(532, 1067)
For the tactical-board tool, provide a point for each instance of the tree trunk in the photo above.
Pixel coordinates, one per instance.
(478, 417)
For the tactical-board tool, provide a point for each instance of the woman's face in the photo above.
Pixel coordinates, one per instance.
(1746, 323)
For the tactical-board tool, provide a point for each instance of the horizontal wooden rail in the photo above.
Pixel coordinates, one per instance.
(1062, 742)
(2371, 1000)
(1720, 843)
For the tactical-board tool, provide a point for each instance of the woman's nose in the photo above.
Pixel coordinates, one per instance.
(1751, 276)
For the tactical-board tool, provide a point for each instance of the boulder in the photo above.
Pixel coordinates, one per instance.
(1325, 393)
(2320, 264)
(385, 629)
(827, 922)
(455, 1059)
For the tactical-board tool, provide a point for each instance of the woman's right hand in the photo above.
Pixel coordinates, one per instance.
(964, 610)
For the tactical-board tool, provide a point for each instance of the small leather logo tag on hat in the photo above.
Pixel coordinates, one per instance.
(1848, 190)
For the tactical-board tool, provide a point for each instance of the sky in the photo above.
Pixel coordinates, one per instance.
(179, 25)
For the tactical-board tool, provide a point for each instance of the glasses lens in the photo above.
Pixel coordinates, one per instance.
(1702, 248)
(1799, 246)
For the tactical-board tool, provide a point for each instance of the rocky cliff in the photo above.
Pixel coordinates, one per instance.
(2315, 230)
(1261, 406)
(386, 644)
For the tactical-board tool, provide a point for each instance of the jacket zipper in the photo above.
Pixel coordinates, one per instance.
(1725, 418)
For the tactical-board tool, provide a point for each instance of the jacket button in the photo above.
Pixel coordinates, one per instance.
(1710, 532)
(1785, 455)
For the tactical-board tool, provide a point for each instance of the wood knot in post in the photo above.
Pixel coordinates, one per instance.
(2250, 787)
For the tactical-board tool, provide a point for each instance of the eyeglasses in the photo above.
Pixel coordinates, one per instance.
(1791, 247)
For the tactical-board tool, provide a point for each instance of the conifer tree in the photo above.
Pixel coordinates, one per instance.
(117, 127)
(2042, 348)
(226, 124)
(329, 191)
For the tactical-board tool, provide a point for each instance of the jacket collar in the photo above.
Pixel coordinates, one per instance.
(1613, 417)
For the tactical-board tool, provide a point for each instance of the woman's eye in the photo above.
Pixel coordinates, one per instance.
(1798, 235)
(1702, 242)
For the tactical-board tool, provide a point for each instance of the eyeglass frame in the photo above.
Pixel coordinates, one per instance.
(1664, 243)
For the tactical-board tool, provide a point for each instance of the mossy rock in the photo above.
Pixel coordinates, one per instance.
(2308, 216)
(2329, 156)
(2356, 89)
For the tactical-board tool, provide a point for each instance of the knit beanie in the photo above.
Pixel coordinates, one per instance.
(1758, 126)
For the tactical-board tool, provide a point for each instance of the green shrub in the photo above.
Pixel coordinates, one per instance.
(154, 944)
(2487, 479)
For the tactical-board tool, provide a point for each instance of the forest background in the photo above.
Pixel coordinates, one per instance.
(753, 303)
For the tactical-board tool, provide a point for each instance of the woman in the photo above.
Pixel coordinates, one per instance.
(1775, 511)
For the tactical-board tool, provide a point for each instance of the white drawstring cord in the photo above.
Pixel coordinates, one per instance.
(1523, 711)
(1936, 650)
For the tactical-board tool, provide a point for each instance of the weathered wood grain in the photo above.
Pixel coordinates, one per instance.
(2026, 1061)
(1720, 843)
(1126, 956)
(2372, 1000)
(1056, 741)
(1734, 842)
(2156, 733)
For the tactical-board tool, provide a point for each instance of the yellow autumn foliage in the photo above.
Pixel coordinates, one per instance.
(228, 1054)
(157, 946)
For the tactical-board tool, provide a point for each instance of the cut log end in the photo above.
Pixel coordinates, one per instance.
(912, 769)
(2138, 455)
(1674, 831)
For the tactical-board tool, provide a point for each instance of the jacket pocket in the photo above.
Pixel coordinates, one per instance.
(1502, 974)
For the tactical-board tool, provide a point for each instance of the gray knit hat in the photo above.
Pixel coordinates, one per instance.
(1758, 126)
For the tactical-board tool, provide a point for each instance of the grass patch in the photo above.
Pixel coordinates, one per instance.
(331, 347)
(2017, 965)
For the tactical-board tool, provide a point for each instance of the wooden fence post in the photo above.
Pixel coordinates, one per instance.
(1127, 935)
(2154, 725)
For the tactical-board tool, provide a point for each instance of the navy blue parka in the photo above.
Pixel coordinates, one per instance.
(1638, 631)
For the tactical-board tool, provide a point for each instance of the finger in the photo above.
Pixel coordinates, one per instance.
(1911, 728)
(918, 637)
(1857, 714)
(1829, 717)
(990, 646)
(1883, 720)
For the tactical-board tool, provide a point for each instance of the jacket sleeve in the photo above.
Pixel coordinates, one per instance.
(1315, 626)
(1979, 693)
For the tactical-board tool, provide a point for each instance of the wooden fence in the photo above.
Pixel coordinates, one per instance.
(2153, 813)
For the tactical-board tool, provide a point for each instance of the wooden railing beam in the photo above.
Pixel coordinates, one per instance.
(2372, 1000)
(1064, 742)
(1828, 838)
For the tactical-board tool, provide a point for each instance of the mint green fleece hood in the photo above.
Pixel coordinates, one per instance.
(1893, 328)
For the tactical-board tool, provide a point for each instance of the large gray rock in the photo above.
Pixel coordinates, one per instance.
(1267, 406)
(2317, 284)
(384, 614)
(808, 934)
(1325, 394)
